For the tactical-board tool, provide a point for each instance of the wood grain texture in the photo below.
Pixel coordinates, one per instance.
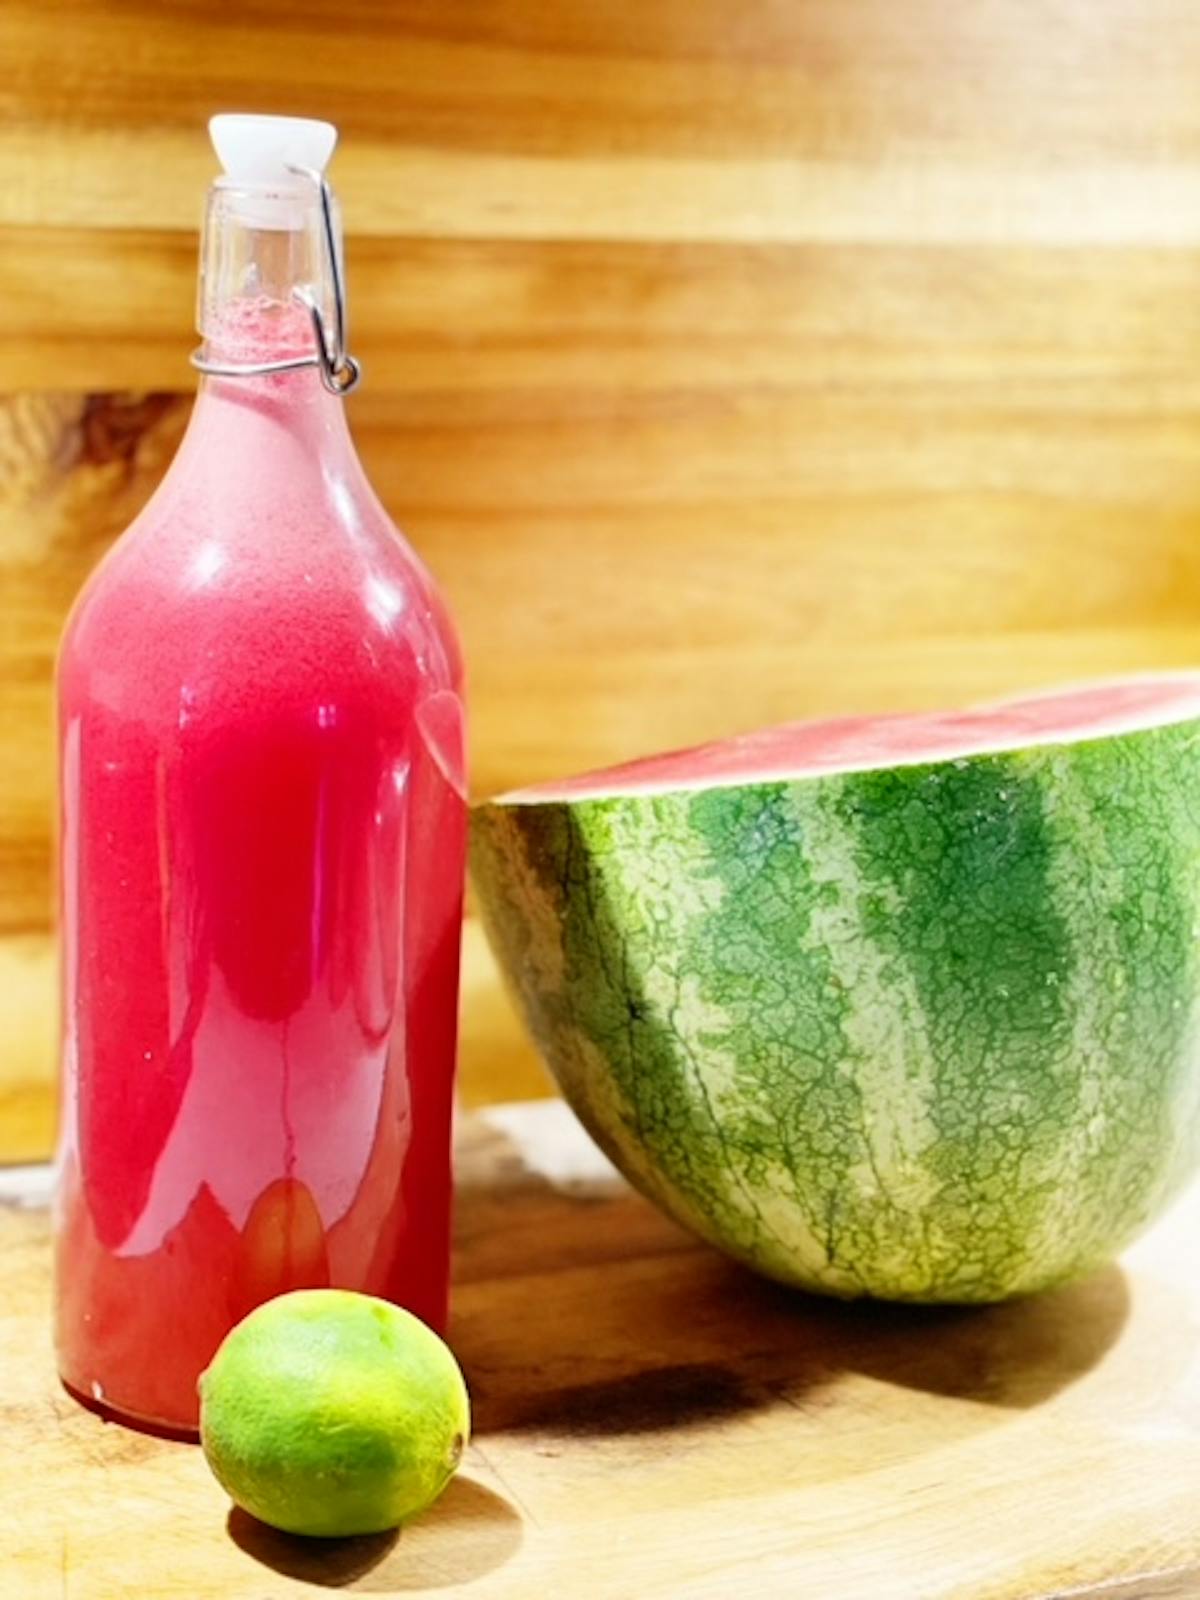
(727, 360)
(712, 120)
(660, 1424)
(106, 310)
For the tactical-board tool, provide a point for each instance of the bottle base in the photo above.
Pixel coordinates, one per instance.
(154, 1426)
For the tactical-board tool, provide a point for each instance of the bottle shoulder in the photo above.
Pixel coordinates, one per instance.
(264, 558)
(176, 609)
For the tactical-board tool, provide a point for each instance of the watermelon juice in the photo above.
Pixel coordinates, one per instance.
(263, 825)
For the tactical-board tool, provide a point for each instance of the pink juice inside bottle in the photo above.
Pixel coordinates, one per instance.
(263, 824)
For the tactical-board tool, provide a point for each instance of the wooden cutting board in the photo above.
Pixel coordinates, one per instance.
(653, 1422)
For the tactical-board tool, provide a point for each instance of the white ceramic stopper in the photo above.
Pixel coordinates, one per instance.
(256, 150)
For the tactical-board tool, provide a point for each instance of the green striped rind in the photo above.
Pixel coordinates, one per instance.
(926, 1033)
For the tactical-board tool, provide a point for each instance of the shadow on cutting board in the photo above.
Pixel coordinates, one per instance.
(469, 1532)
(582, 1312)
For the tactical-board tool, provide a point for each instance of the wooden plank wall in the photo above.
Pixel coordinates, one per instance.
(728, 360)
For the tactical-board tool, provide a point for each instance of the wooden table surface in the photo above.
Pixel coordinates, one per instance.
(652, 1422)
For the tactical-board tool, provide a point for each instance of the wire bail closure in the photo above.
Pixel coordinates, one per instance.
(340, 372)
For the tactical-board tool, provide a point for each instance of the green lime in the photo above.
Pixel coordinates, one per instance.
(330, 1413)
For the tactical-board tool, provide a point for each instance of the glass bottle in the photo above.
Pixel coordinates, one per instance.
(262, 838)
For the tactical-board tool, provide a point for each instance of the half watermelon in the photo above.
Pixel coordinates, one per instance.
(899, 1006)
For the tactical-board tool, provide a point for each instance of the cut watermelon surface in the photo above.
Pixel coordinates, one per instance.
(906, 1006)
(847, 744)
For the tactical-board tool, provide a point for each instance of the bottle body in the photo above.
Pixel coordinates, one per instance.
(263, 828)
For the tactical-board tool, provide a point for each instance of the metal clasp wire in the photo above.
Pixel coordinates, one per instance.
(340, 372)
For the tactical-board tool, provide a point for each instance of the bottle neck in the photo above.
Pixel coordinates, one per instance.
(263, 255)
(276, 441)
(264, 260)
(260, 406)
